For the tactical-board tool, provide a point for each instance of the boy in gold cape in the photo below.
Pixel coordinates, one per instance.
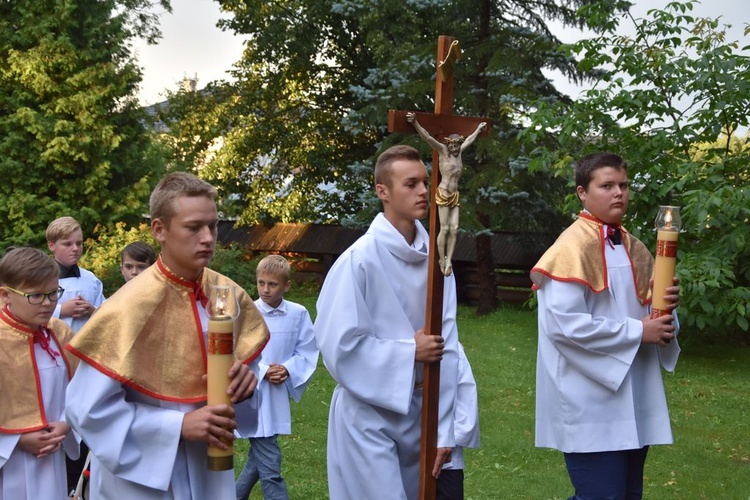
(599, 393)
(34, 436)
(138, 398)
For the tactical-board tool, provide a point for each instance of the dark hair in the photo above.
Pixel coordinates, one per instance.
(139, 251)
(27, 266)
(586, 166)
(386, 159)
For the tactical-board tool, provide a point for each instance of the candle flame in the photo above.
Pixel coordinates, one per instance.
(220, 305)
(668, 219)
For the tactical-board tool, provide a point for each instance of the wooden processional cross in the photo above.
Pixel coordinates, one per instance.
(439, 124)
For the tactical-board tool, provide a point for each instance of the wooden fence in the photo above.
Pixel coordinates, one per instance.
(313, 248)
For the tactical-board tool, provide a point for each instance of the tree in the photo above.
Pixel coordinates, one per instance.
(72, 136)
(672, 102)
(308, 112)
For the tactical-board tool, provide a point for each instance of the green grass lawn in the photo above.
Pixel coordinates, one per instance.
(707, 394)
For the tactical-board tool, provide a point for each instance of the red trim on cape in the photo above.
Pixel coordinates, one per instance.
(3, 430)
(257, 353)
(568, 280)
(14, 322)
(199, 328)
(40, 399)
(192, 286)
(129, 382)
(61, 350)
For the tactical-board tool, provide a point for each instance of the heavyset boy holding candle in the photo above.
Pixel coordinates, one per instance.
(600, 397)
(138, 398)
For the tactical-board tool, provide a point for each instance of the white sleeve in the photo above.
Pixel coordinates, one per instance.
(600, 347)
(99, 300)
(669, 353)
(448, 368)
(377, 370)
(135, 441)
(247, 416)
(8, 443)
(466, 413)
(303, 362)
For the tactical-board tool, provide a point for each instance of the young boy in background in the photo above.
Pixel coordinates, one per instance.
(83, 291)
(83, 294)
(34, 374)
(286, 365)
(135, 258)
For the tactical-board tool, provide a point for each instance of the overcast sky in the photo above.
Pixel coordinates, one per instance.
(193, 46)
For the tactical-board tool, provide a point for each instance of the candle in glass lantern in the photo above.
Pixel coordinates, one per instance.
(668, 225)
(222, 310)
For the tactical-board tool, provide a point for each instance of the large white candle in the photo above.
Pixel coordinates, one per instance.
(220, 356)
(668, 231)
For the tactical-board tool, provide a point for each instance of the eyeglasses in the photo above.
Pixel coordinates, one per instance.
(37, 298)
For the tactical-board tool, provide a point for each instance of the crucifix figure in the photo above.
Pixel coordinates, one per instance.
(440, 124)
(447, 196)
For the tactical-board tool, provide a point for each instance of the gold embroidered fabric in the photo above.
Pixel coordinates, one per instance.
(578, 255)
(22, 408)
(446, 200)
(148, 335)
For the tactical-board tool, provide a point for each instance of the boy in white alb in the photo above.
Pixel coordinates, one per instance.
(82, 296)
(139, 395)
(370, 331)
(84, 292)
(286, 365)
(599, 393)
(34, 372)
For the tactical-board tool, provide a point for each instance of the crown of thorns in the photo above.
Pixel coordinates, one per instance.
(454, 139)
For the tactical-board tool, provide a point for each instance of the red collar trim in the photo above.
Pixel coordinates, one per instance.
(190, 285)
(589, 217)
(12, 320)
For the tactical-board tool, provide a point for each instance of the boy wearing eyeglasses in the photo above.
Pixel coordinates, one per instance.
(83, 291)
(34, 374)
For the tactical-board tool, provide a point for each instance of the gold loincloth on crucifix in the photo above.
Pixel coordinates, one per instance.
(442, 199)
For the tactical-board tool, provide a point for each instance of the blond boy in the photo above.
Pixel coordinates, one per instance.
(84, 292)
(139, 397)
(287, 363)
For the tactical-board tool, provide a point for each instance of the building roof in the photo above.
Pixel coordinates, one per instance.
(319, 239)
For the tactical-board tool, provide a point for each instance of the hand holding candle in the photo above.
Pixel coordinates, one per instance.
(222, 310)
(668, 225)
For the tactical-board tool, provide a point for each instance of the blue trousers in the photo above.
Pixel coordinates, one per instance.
(609, 475)
(264, 464)
(450, 485)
